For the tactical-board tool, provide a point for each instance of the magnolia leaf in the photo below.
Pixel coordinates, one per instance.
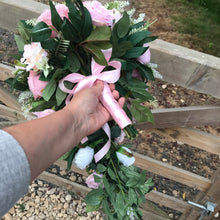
(123, 25)
(96, 53)
(148, 39)
(74, 62)
(138, 37)
(140, 112)
(55, 17)
(49, 44)
(135, 52)
(69, 32)
(99, 34)
(88, 27)
(49, 90)
(120, 49)
(40, 32)
(60, 96)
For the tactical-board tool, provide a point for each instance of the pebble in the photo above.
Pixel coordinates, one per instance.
(216, 215)
(181, 100)
(7, 216)
(171, 215)
(164, 86)
(173, 91)
(175, 193)
(51, 191)
(164, 159)
(73, 178)
(68, 198)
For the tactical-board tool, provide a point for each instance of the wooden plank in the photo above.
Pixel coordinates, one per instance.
(81, 190)
(183, 117)
(11, 114)
(171, 172)
(11, 11)
(192, 137)
(212, 195)
(188, 68)
(180, 65)
(5, 72)
(8, 99)
(162, 169)
(168, 201)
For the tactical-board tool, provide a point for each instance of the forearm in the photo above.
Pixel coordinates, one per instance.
(44, 140)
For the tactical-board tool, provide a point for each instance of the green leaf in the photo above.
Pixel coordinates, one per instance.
(69, 32)
(115, 131)
(60, 96)
(120, 49)
(40, 32)
(106, 209)
(99, 34)
(120, 204)
(146, 72)
(123, 25)
(49, 90)
(94, 197)
(70, 158)
(25, 31)
(148, 39)
(132, 182)
(138, 37)
(91, 208)
(42, 106)
(74, 62)
(88, 27)
(16, 84)
(96, 53)
(97, 179)
(140, 112)
(55, 17)
(142, 177)
(101, 168)
(111, 174)
(135, 52)
(107, 186)
(49, 44)
(19, 42)
(132, 197)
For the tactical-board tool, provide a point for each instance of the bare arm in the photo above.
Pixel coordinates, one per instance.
(44, 140)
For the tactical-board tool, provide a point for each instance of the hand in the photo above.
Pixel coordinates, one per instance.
(90, 112)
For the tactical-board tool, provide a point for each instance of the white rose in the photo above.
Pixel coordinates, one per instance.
(83, 157)
(126, 160)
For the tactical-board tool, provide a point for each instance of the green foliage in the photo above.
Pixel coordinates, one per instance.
(40, 32)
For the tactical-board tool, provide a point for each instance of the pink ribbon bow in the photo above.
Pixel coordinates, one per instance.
(83, 82)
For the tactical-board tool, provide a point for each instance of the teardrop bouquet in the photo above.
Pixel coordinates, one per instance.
(67, 48)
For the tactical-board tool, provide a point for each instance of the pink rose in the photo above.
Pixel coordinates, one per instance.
(36, 86)
(101, 16)
(90, 181)
(44, 113)
(145, 58)
(46, 16)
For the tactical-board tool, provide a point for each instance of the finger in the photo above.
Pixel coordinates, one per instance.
(115, 94)
(121, 101)
(112, 86)
(97, 88)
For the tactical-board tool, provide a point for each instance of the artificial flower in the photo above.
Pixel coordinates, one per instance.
(90, 181)
(100, 15)
(145, 58)
(36, 86)
(83, 157)
(46, 16)
(125, 156)
(34, 56)
(44, 113)
(121, 138)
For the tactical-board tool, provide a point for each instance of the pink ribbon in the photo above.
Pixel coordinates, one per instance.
(106, 98)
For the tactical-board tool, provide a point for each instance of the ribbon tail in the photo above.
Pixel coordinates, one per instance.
(101, 153)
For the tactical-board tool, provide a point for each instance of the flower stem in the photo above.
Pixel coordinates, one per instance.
(130, 131)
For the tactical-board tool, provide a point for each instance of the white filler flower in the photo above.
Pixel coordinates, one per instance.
(125, 156)
(83, 157)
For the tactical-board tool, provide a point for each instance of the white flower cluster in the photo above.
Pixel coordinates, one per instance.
(156, 74)
(83, 157)
(130, 213)
(25, 99)
(124, 159)
(118, 5)
(140, 18)
(32, 22)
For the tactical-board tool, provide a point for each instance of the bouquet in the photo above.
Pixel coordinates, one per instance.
(67, 48)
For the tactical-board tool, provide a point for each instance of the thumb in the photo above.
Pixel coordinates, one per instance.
(98, 88)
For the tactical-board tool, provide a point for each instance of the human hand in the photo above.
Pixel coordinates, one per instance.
(86, 107)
